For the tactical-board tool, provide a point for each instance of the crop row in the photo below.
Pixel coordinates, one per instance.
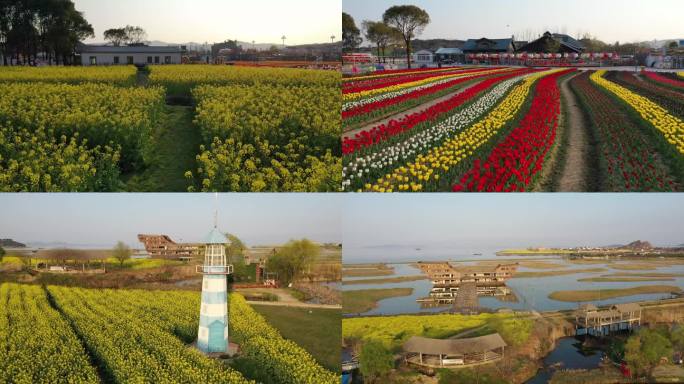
(119, 75)
(665, 80)
(385, 104)
(181, 79)
(517, 160)
(664, 96)
(36, 344)
(671, 127)
(167, 316)
(268, 138)
(628, 158)
(85, 126)
(371, 163)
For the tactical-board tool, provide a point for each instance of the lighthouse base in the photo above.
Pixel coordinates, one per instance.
(212, 335)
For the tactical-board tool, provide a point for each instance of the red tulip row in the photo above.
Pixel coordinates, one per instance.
(512, 165)
(382, 132)
(664, 80)
(628, 159)
(353, 87)
(380, 104)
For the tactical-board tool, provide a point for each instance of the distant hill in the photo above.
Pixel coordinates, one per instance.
(638, 245)
(9, 243)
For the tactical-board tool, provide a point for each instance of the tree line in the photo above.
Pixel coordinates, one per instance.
(41, 29)
(400, 24)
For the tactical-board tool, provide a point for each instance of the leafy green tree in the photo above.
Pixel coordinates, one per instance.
(375, 361)
(293, 260)
(644, 350)
(51, 27)
(2, 253)
(673, 45)
(409, 20)
(121, 253)
(677, 337)
(381, 34)
(351, 35)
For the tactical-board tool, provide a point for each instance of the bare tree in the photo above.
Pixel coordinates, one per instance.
(121, 253)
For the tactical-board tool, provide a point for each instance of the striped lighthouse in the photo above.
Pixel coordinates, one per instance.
(213, 325)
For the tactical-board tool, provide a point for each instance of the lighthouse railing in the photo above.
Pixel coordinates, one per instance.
(214, 269)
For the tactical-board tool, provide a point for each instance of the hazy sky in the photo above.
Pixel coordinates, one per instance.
(81, 218)
(182, 21)
(486, 221)
(609, 20)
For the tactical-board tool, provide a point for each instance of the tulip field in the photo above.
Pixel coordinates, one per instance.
(505, 129)
(103, 129)
(74, 335)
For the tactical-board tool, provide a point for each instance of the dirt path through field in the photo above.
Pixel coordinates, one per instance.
(574, 174)
(401, 114)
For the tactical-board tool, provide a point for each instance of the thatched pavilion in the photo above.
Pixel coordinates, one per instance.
(451, 353)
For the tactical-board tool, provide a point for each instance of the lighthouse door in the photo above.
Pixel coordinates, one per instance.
(217, 343)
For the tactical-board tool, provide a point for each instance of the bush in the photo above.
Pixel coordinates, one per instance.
(375, 361)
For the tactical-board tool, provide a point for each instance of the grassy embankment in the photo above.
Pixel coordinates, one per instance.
(383, 280)
(366, 299)
(557, 273)
(526, 252)
(596, 294)
(359, 270)
(316, 330)
(626, 279)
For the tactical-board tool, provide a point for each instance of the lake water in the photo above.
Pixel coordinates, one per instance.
(569, 356)
(531, 292)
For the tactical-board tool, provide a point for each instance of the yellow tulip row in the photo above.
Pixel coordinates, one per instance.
(670, 126)
(368, 77)
(392, 88)
(680, 74)
(440, 160)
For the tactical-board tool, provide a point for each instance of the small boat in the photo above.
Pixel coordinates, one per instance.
(477, 254)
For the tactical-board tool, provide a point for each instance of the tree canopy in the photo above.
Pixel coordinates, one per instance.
(293, 259)
(235, 249)
(381, 34)
(409, 20)
(129, 35)
(644, 350)
(351, 34)
(51, 28)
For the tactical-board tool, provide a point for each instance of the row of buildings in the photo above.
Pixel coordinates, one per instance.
(220, 53)
(548, 43)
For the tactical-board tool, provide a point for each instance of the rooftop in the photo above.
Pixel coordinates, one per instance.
(418, 344)
(86, 48)
(215, 237)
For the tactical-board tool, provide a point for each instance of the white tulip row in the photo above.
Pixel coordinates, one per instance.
(357, 103)
(399, 153)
